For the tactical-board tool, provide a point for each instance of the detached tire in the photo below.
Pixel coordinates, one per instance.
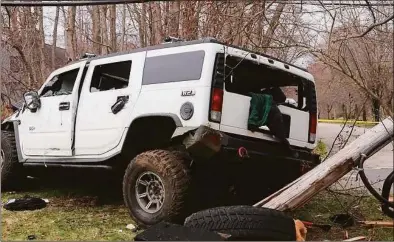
(245, 223)
(12, 174)
(155, 187)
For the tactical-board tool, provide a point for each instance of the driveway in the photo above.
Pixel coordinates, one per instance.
(377, 167)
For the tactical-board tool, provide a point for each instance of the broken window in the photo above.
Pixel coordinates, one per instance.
(248, 76)
(61, 84)
(111, 76)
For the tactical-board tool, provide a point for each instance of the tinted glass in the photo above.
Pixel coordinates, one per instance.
(173, 68)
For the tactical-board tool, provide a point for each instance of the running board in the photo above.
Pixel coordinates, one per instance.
(40, 164)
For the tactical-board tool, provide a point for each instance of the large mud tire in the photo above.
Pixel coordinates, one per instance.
(172, 172)
(12, 173)
(245, 223)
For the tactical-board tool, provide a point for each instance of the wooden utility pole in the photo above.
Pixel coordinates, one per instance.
(331, 170)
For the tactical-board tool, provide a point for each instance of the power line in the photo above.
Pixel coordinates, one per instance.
(109, 2)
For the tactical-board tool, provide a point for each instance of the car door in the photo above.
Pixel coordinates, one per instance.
(99, 128)
(49, 130)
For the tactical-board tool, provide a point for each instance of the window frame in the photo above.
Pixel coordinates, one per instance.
(56, 74)
(110, 63)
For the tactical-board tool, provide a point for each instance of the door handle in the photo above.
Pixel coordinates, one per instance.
(64, 106)
(119, 104)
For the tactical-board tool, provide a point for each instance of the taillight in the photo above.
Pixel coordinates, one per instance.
(312, 127)
(216, 104)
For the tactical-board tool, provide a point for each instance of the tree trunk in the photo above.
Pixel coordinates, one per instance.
(54, 38)
(157, 30)
(123, 27)
(376, 110)
(41, 40)
(112, 13)
(273, 25)
(70, 30)
(104, 29)
(174, 19)
(142, 28)
(96, 30)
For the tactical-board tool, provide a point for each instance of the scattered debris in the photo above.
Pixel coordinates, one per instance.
(384, 224)
(358, 238)
(346, 236)
(324, 227)
(25, 203)
(301, 230)
(343, 219)
(224, 236)
(132, 227)
(31, 237)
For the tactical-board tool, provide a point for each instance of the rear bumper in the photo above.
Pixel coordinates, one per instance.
(206, 142)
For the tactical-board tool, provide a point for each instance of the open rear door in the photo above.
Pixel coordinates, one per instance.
(248, 74)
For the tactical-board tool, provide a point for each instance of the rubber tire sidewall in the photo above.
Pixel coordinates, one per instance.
(139, 165)
(245, 223)
(12, 174)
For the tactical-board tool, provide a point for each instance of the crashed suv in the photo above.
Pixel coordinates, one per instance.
(173, 119)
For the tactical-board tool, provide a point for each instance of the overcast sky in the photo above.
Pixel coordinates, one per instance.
(315, 20)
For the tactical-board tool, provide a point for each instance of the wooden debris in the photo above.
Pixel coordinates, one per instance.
(387, 224)
(358, 238)
(331, 170)
(346, 235)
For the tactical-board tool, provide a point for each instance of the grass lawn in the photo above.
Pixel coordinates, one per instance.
(75, 212)
(326, 204)
(94, 211)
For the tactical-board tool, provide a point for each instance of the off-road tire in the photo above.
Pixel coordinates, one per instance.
(174, 173)
(245, 223)
(12, 173)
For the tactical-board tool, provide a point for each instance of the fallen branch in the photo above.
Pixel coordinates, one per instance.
(384, 224)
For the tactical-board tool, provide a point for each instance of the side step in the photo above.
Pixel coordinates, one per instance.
(63, 165)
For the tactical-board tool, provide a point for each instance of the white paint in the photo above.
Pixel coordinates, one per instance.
(99, 134)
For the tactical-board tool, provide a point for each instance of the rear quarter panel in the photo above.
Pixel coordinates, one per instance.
(165, 99)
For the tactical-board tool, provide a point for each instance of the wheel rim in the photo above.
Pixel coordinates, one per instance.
(2, 159)
(149, 192)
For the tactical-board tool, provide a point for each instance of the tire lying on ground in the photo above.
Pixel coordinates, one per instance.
(155, 187)
(245, 223)
(12, 174)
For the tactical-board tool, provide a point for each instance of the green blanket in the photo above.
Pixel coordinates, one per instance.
(260, 106)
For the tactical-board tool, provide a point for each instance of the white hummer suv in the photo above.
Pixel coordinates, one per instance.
(173, 118)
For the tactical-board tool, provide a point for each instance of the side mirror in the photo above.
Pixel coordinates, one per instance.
(32, 100)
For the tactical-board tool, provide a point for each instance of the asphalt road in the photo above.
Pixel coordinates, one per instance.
(377, 167)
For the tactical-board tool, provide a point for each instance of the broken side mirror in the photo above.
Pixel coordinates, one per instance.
(32, 101)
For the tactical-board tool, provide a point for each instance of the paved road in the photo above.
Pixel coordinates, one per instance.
(376, 168)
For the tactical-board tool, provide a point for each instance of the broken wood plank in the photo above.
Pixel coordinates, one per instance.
(331, 170)
(388, 224)
(358, 238)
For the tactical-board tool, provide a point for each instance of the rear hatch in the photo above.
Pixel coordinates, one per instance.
(243, 74)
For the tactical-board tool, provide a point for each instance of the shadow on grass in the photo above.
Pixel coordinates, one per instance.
(82, 186)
